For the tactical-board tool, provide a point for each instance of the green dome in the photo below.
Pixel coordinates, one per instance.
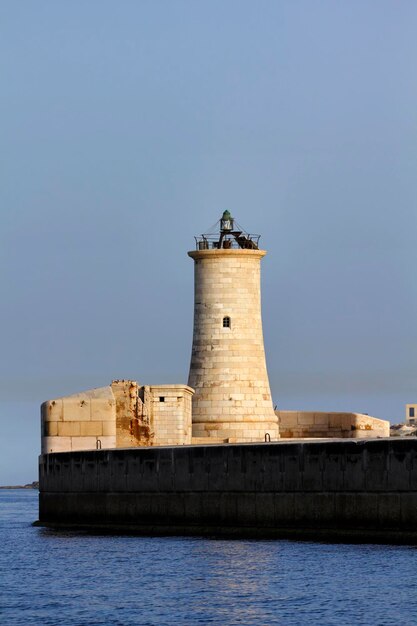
(226, 215)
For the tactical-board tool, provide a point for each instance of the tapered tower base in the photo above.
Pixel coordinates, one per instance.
(228, 370)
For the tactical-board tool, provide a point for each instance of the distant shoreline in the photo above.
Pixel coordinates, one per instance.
(34, 485)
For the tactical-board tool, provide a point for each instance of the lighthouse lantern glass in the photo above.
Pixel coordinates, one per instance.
(227, 223)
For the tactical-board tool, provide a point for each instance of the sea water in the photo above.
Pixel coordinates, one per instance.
(69, 578)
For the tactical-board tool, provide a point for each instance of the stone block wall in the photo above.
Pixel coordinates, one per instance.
(228, 368)
(171, 414)
(304, 424)
(79, 422)
(133, 419)
(122, 415)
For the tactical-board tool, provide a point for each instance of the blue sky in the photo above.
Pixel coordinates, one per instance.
(128, 127)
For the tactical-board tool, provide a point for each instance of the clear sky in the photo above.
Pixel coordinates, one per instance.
(127, 127)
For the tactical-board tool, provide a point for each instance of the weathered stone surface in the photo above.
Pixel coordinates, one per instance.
(121, 415)
(305, 425)
(172, 417)
(340, 487)
(228, 368)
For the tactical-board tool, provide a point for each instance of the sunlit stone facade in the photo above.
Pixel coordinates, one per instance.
(228, 370)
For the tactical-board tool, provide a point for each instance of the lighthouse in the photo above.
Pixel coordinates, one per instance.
(228, 371)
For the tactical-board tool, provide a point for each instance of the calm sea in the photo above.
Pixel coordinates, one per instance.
(54, 578)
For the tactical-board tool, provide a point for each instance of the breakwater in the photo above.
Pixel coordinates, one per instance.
(359, 490)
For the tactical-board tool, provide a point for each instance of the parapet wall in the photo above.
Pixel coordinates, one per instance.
(121, 415)
(363, 489)
(304, 424)
(79, 421)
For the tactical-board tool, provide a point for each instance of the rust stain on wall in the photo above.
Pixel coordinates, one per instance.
(133, 423)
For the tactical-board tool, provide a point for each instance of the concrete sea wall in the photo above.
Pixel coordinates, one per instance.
(362, 490)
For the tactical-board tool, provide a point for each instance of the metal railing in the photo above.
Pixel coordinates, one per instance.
(234, 240)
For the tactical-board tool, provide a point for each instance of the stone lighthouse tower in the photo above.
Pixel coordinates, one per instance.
(228, 370)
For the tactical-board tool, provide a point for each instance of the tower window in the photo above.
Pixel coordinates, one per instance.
(226, 322)
(161, 398)
(411, 411)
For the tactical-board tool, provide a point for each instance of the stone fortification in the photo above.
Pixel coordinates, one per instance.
(363, 490)
(121, 415)
(79, 421)
(171, 414)
(305, 424)
(228, 369)
(232, 401)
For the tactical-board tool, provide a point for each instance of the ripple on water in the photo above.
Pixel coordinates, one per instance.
(72, 579)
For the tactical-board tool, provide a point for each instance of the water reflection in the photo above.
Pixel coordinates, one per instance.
(74, 579)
